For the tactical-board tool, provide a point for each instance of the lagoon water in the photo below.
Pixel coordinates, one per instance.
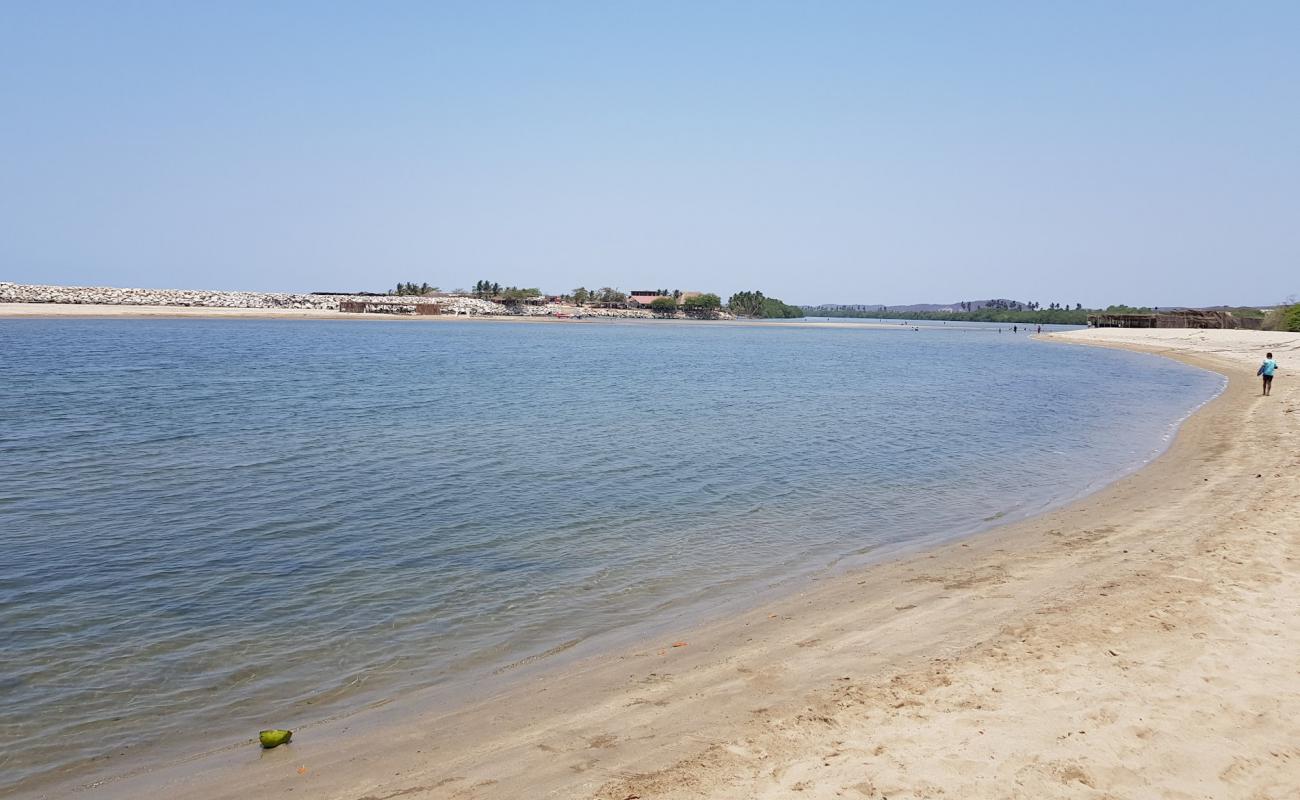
(209, 527)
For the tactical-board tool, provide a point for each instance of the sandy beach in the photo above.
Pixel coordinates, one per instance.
(1140, 642)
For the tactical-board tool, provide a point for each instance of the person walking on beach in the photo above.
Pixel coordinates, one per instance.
(1266, 370)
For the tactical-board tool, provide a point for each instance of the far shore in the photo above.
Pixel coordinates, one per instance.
(1139, 642)
(103, 311)
(96, 311)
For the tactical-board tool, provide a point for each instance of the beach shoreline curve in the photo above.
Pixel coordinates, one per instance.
(782, 681)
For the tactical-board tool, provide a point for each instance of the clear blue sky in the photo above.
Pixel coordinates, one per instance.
(894, 152)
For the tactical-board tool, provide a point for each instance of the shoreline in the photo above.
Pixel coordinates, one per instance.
(47, 311)
(768, 687)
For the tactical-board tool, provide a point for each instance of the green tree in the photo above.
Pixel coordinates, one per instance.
(581, 296)
(775, 309)
(609, 294)
(746, 304)
(514, 294)
(702, 304)
(1285, 317)
(410, 289)
(756, 304)
(1292, 318)
(663, 305)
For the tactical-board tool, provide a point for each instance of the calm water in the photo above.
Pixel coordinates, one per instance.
(214, 526)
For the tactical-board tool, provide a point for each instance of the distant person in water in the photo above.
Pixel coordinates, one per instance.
(1040, 328)
(1266, 371)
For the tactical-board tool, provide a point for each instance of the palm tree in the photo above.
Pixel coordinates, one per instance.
(749, 304)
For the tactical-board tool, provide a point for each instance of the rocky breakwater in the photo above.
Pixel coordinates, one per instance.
(112, 296)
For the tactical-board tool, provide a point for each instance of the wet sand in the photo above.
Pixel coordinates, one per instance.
(1140, 642)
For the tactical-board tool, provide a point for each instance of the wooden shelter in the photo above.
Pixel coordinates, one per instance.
(1178, 318)
(389, 305)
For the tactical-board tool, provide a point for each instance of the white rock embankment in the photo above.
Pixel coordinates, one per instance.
(113, 296)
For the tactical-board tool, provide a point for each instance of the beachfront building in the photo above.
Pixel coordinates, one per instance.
(391, 305)
(642, 298)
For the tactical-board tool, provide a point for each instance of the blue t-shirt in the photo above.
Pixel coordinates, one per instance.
(1267, 367)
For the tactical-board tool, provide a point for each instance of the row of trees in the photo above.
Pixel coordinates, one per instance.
(1044, 316)
(755, 304)
(1014, 305)
(484, 289)
(1031, 313)
(694, 304)
(507, 294)
(606, 294)
(412, 290)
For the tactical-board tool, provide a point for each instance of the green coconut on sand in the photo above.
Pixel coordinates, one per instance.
(274, 738)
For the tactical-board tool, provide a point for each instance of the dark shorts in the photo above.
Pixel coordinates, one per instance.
(1268, 379)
